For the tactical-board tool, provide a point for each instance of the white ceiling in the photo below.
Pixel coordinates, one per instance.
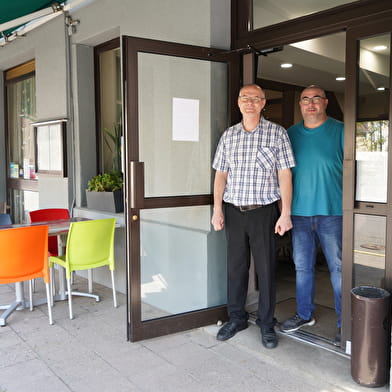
(321, 60)
(268, 12)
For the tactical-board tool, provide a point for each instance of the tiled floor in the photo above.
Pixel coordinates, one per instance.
(90, 353)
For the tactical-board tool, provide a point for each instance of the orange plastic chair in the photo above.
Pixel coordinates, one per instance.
(49, 214)
(24, 256)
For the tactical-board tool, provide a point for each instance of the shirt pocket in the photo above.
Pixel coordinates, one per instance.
(265, 158)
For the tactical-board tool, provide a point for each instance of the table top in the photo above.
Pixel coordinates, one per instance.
(55, 227)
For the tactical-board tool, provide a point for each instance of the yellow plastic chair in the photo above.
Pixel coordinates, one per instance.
(24, 256)
(90, 244)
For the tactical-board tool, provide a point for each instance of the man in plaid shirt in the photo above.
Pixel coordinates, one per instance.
(252, 163)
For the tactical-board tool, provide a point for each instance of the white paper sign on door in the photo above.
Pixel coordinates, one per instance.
(186, 119)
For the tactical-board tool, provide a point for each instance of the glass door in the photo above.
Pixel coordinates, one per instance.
(367, 172)
(177, 100)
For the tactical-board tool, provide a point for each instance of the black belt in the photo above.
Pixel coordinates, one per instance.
(248, 208)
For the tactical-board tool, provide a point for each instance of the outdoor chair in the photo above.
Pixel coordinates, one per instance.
(5, 219)
(44, 215)
(90, 244)
(49, 214)
(24, 256)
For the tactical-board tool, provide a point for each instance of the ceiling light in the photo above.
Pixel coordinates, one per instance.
(379, 47)
(381, 88)
(286, 65)
(340, 78)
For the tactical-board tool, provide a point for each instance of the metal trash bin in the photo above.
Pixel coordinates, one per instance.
(370, 335)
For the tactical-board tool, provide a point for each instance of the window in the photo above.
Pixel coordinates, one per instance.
(109, 107)
(21, 113)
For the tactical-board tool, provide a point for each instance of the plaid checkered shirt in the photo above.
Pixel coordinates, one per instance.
(252, 160)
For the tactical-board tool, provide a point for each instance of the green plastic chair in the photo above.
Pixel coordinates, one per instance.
(90, 244)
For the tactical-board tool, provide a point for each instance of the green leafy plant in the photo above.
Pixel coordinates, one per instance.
(106, 182)
(113, 141)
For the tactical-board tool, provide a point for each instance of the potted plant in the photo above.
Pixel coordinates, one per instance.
(105, 192)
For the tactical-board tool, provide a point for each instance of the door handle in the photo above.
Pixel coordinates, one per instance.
(137, 184)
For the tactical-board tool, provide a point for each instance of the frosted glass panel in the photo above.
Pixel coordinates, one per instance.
(183, 261)
(182, 113)
(369, 250)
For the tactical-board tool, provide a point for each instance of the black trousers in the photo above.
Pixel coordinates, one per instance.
(251, 232)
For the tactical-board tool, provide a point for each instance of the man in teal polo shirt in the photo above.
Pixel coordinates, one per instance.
(316, 209)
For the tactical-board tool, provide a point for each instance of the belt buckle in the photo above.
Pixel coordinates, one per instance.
(249, 208)
(245, 208)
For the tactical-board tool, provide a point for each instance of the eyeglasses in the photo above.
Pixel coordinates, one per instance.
(244, 98)
(315, 99)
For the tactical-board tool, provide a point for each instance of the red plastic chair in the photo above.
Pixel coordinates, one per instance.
(24, 256)
(49, 214)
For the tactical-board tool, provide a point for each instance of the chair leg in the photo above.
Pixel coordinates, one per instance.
(52, 288)
(69, 298)
(53, 279)
(90, 280)
(31, 294)
(114, 290)
(49, 298)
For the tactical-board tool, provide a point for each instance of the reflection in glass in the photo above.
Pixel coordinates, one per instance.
(369, 250)
(372, 119)
(21, 112)
(182, 261)
(21, 203)
(110, 113)
(177, 145)
(268, 12)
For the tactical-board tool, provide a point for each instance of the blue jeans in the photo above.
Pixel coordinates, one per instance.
(308, 232)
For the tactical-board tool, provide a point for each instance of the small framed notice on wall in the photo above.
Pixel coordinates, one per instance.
(51, 147)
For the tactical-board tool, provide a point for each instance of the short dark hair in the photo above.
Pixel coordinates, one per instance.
(315, 86)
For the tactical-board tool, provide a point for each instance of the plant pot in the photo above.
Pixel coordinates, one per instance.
(106, 201)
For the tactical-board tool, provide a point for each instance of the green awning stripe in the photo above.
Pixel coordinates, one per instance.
(13, 9)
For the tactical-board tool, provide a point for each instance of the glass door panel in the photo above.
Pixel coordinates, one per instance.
(372, 125)
(369, 250)
(367, 167)
(182, 112)
(183, 261)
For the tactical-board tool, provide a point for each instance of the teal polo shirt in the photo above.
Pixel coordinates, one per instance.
(318, 174)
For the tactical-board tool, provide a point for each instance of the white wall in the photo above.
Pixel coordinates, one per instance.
(202, 22)
(47, 46)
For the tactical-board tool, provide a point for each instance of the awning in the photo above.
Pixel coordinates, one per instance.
(13, 9)
(18, 17)
(15, 13)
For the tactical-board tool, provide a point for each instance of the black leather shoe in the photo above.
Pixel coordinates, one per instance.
(268, 337)
(230, 329)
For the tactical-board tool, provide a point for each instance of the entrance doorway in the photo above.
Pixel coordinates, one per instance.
(178, 100)
(284, 73)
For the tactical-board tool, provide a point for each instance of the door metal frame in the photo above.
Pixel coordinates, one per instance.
(369, 17)
(350, 206)
(134, 183)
